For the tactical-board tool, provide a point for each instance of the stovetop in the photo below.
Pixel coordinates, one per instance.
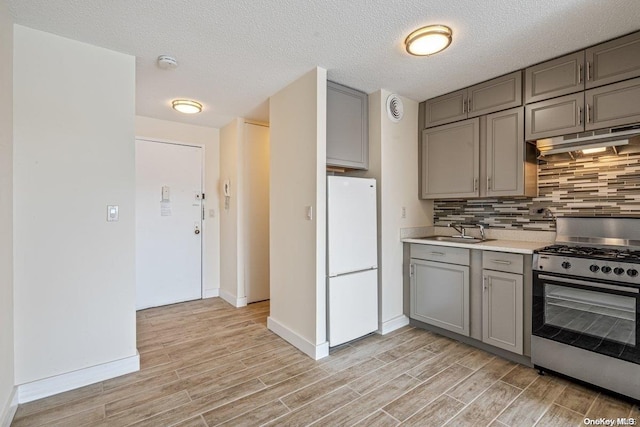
(590, 252)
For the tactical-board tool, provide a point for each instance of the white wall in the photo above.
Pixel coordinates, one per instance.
(231, 230)
(298, 245)
(209, 138)
(393, 161)
(6, 212)
(74, 153)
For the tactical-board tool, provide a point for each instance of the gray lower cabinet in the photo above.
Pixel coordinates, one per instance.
(503, 300)
(560, 76)
(494, 95)
(554, 117)
(613, 61)
(613, 105)
(347, 127)
(440, 295)
(450, 160)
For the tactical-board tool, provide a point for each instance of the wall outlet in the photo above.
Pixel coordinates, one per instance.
(536, 210)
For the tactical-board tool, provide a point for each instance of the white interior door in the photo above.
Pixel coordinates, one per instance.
(168, 223)
(256, 212)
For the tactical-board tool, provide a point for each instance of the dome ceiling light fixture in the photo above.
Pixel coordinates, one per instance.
(428, 40)
(186, 106)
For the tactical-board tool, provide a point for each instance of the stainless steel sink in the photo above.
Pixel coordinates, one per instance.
(456, 239)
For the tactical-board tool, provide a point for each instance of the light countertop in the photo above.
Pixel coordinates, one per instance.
(499, 245)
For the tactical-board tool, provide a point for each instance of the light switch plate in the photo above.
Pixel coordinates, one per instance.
(112, 213)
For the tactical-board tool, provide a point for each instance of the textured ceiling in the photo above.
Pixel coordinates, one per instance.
(234, 54)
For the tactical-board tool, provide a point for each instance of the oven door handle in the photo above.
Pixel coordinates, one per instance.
(590, 284)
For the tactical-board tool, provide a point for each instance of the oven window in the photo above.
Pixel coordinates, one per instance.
(601, 315)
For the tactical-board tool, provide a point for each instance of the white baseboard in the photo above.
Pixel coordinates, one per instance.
(80, 378)
(232, 299)
(313, 351)
(8, 412)
(393, 324)
(211, 293)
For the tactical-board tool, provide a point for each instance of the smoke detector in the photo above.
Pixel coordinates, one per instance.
(395, 108)
(167, 62)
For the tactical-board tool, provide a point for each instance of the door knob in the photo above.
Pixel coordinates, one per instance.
(196, 229)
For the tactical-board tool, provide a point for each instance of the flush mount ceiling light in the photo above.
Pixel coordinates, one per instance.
(186, 106)
(428, 40)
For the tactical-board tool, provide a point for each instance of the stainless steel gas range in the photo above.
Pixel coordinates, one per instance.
(586, 303)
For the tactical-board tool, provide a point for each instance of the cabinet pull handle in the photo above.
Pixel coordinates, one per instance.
(579, 115)
(588, 113)
(469, 104)
(464, 105)
(588, 71)
(411, 270)
(484, 283)
(499, 261)
(437, 253)
(475, 184)
(488, 183)
(579, 73)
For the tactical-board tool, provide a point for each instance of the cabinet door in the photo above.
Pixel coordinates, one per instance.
(553, 78)
(613, 105)
(613, 61)
(502, 321)
(440, 295)
(495, 95)
(446, 109)
(347, 127)
(450, 160)
(555, 117)
(505, 153)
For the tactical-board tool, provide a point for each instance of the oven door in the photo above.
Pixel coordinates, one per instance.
(598, 316)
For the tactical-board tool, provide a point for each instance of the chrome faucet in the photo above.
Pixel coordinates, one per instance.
(460, 229)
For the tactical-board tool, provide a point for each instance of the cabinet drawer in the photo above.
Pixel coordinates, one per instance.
(558, 77)
(613, 61)
(613, 105)
(502, 261)
(555, 117)
(446, 254)
(495, 95)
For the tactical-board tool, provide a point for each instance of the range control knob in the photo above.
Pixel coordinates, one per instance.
(632, 272)
(594, 268)
(566, 265)
(606, 269)
(618, 271)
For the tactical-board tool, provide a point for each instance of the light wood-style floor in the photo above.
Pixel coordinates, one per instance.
(205, 363)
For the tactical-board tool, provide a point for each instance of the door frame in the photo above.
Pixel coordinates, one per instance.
(202, 206)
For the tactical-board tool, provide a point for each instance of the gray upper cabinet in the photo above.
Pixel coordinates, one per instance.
(347, 127)
(554, 117)
(613, 61)
(560, 76)
(511, 168)
(450, 160)
(613, 105)
(446, 109)
(494, 95)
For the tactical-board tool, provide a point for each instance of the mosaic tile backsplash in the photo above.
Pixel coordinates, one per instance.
(588, 186)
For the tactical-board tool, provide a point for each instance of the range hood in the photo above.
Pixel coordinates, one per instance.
(616, 140)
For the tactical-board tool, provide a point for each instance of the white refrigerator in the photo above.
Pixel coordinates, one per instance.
(352, 258)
